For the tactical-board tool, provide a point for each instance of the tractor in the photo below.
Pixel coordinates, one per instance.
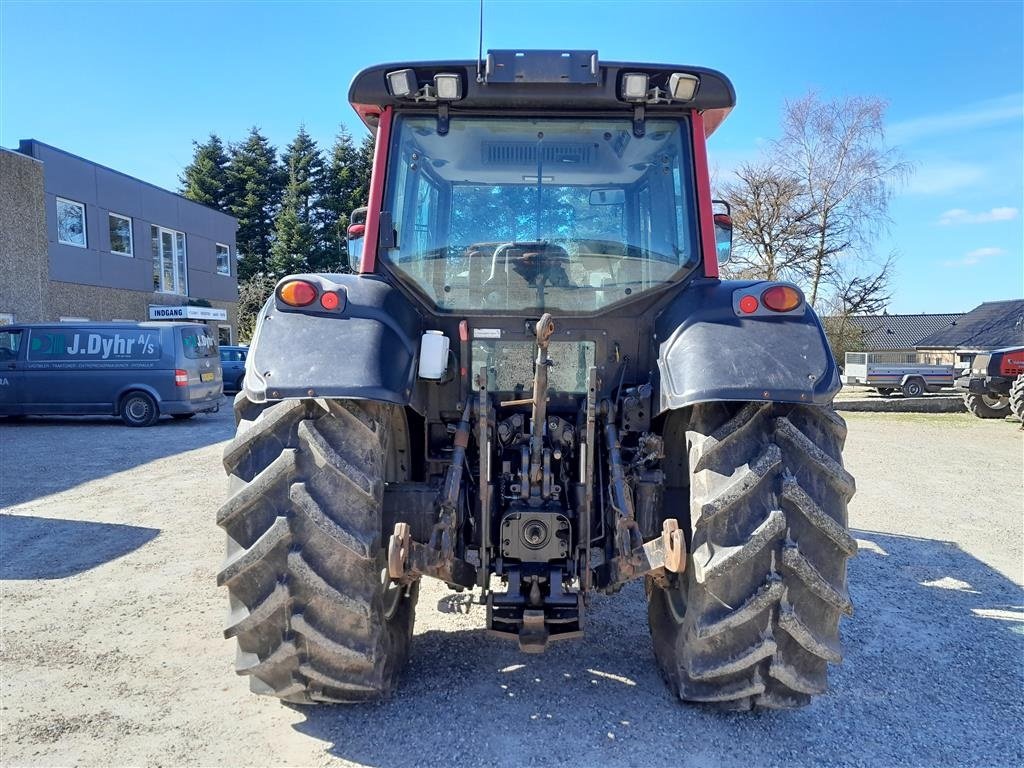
(993, 387)
(534, 385)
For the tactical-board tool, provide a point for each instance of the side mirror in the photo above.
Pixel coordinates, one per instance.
(356, 232)
(723, 231)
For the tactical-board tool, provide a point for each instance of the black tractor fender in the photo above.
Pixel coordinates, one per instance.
(710, 350)
(364, 350)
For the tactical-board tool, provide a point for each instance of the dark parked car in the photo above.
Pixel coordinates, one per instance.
(232, 360)
(138, 371)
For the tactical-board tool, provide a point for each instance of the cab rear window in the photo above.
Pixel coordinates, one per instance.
(198, 342)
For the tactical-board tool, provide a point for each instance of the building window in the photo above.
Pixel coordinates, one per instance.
(169, 261)
(70, 223)
(224, 335)
(223, 259)
(121, 235)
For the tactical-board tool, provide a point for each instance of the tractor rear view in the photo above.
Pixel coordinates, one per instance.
(538, 388)
(993, 387)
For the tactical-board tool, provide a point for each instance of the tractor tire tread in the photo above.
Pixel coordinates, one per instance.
(305, 552)
(753, 622)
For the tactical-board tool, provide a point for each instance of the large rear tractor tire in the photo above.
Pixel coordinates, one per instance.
(1017, 397)
(754, 619)
(312, 608)
(987, 406)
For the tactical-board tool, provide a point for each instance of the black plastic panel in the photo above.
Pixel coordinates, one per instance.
(707, 353)
(368, 351)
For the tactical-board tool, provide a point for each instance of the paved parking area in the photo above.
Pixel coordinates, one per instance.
(111, 652)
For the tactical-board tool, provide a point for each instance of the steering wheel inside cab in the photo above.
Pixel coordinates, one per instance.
(518, 265)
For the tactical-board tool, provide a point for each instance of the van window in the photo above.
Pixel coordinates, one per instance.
(198, 342)
(10, 343)
(102, 345)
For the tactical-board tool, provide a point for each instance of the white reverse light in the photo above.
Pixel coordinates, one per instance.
(402, 83)
(682, 86)
(447, 86)
(634, 86)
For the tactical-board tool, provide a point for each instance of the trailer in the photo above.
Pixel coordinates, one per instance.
(887, 373)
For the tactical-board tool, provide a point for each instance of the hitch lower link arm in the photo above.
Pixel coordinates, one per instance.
(409, 560)
(634, 557)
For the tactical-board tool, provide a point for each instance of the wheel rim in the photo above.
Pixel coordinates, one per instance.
(392, 594)
(675, 599)
(138, 409)
(995, 402)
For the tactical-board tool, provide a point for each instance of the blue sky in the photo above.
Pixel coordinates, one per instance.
(130, 86)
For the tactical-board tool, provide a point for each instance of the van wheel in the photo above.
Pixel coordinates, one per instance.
(139, 410)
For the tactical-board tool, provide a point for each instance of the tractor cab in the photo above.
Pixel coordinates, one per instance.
(540, 180)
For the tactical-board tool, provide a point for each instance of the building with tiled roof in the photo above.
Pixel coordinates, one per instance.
(899, 333)
(992, 325)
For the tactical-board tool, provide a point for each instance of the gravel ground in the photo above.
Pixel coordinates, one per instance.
(111, 651)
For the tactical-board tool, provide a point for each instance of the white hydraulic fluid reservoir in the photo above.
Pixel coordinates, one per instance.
(433, 355)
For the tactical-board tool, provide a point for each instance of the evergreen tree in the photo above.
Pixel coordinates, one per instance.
(343, 182)
(255, 184)
(205, 179)
(295, 229)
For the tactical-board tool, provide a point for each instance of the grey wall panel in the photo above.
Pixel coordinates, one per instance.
(143, 239)
(223, 288)
(200, 253)
(67, 176)
(118, 193)
(198, 284)
(74, 265)
(126, 272)
(159, 207)
(99, 221)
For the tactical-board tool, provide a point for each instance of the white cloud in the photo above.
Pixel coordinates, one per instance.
(973, 257)
(971, 117)
(941, 177)
(962, 216)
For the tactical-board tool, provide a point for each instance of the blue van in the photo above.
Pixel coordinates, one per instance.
(138, 371)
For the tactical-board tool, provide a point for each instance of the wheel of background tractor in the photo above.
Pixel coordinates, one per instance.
(913, 388)
(987, 406)
(1017, 397)
(885, 391)
(139, 410)
(315, 615)
(754, 619)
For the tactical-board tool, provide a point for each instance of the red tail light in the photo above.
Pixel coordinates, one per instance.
(180, 378)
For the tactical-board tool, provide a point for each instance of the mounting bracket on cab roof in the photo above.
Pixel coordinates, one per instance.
(562, 67)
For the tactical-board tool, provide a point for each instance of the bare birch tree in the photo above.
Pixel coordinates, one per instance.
(771, 223)
(836, 152)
